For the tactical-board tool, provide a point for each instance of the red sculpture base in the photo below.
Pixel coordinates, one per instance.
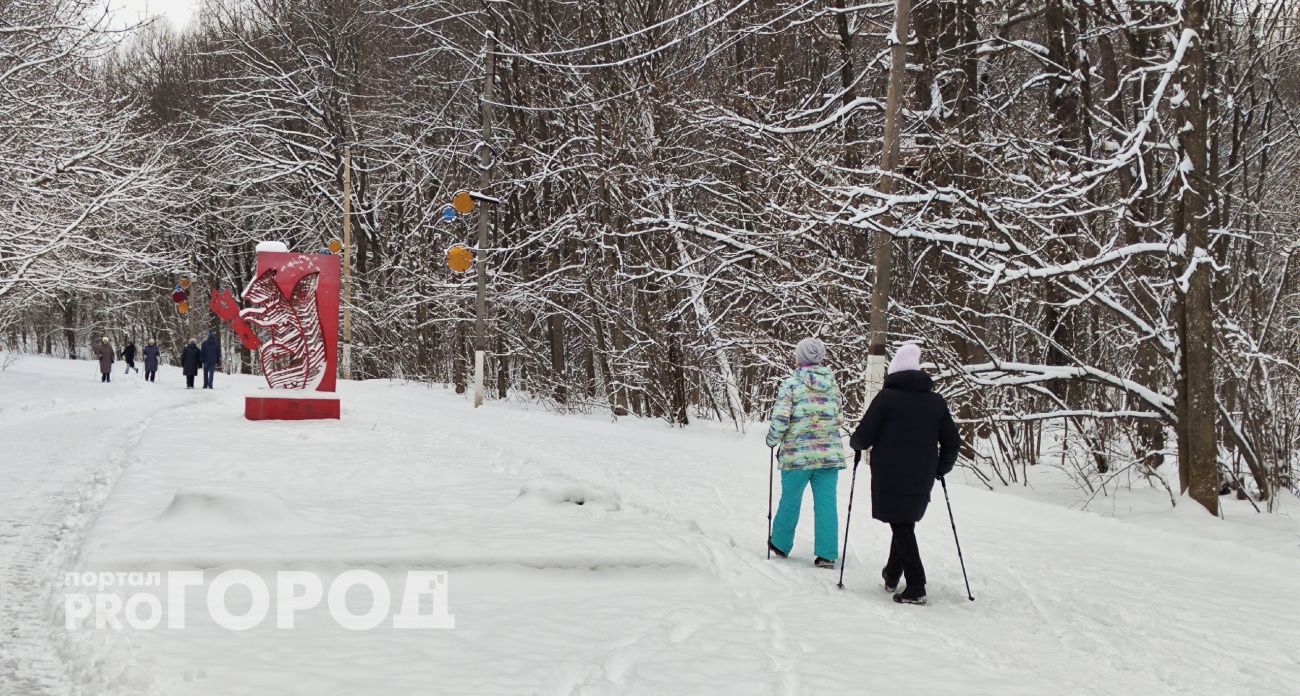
(290, 408)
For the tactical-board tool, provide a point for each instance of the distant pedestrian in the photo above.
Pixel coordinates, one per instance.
(211, 358)
(106, 360)
(913, 441)
(191, 358)
(806, 426)
(128, 355)
(151, 361)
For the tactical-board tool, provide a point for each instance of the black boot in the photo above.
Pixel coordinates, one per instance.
(775, 551)
(824, 563)
(911, 595)
(891, 584)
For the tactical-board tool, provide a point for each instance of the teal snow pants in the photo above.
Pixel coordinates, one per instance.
(825, 517)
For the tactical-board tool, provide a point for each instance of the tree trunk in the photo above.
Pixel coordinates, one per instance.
(70, 326)
(1198, 454)
(555, 332)
(503, 368)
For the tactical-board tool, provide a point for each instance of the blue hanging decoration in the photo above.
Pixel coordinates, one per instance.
(448, 213)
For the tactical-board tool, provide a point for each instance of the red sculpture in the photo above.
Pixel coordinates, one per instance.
(295, 299)
(223, 305)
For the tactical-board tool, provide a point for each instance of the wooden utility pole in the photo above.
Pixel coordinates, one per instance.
(485, 159)
(1197, 437)
(346, 364)
(876, 360)
(189, 315)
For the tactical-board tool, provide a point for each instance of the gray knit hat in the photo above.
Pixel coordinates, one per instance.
(810, 351)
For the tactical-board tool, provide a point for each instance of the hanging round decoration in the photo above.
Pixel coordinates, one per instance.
(178, 295)
(334, 246)
(183, 307)
(463, 203)
(448, 214)
(460, 258)
(185, 283)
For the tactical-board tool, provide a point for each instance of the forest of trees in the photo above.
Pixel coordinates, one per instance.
(1094, 232)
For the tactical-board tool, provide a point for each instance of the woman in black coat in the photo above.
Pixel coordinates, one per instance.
(913, 441)
(128, 354)
(151, 361)
(191, 358)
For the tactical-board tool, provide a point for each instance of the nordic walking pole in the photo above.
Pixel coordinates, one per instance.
(951, 519)
(853, 483)
(771, 469)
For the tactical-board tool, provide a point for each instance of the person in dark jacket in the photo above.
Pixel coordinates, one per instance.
(128, 355)
(151, 361)
(913, 441)
(191, 358)
(211, 358)
(106, 358)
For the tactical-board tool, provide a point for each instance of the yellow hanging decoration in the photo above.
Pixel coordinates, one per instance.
(460, 258)
(463, 203)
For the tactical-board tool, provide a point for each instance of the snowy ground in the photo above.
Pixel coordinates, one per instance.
(656, 585)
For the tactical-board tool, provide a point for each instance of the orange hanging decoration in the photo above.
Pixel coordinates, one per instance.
(460, 258)
(463, 203)
(183, 307)
(335, 246)
(185, 282)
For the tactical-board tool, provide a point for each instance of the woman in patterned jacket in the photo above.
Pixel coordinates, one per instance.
(806, 427)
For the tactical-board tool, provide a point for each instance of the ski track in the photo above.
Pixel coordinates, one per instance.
(50, 488)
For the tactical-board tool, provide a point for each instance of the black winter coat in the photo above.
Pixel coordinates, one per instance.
(913, 441)
(151, 358)
(128, 353)
(190, 360)
(211, 351)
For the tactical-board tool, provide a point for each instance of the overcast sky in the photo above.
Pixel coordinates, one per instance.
(178, 12)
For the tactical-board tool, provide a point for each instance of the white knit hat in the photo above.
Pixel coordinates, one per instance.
(908, 357)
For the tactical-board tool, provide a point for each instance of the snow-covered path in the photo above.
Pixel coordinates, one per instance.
(63, 439)
(658, 583)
